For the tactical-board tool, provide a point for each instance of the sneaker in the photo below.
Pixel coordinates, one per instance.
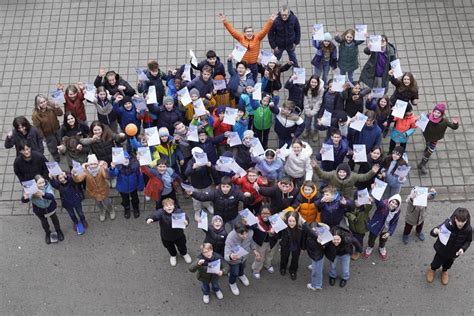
(309, 286)
(47, 238)
(270, 269)
(102, 215)
(136, 213)
(112, 213)
(60, 235)
(187, 258)
(332, 281)
(256, 275)
(80, 229)
(147, 198)
(205, 299)
(343, 283)
(355, 256)
(126, 213)
(234, 288)
(219, 295)
(405, 239)
(421, 236)
(173, 261)
(383, 253)
(293, 275)
(367, 252)
(245, 281)
(310, 267)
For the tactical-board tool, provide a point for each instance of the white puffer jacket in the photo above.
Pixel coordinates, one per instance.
(299, 166)
(313, 104)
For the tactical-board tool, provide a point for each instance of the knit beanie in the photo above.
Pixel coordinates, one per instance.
(92, 158)
(250, 83)
(327, 37)
(168, 99)
(125, 100)
(248, 133)
(220, 109)
(194, 91)
(163, 131)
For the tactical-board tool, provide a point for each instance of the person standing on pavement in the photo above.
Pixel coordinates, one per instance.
(285, 34)
(249, 40)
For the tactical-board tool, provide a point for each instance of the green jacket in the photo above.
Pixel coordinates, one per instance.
(345, 186)
(262, 118)
(348, 54)
(359, 218)
(202, 274)
(434, 132)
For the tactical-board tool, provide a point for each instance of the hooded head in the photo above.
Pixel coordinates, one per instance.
(394, 198)
(196, 150)
(343, 171)
(169, 99)
(217, 222)
(126, 99)
(248, 136)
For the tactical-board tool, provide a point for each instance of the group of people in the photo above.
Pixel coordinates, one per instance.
(213, 145)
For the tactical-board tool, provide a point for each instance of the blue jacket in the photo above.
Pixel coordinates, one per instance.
(129, 178)
(218, 69)
(339, 155)
(285, 34)
(126, 117)
(273, 171)
(157, 81)
(284, 126)
(234, 80)
(44, 205)
(250, 104)
(368, 136)
(317, 60)
(333, 212)
(295, 93)
(70, 196)
(202, 86)
(241, 126)
(376, 223)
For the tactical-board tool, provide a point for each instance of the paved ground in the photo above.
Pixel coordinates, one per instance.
(120, 267)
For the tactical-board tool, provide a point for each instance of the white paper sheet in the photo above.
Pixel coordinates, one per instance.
(219, 85)
(256, 148)
(248, 216)
(141, 74)
(54, 168)
(360, 31)
(201, 158)
(257, 93)
(318, 34)
(57, 97)
(360, 154)
(363, 197)
(359, 121)
(379, 189)
(233, 139)
(397, 68)
(328, 152)
(151, 95)
(338, 83)
(199, 108)
(203, 221)
(187, 72)
(144, 156)
(153, 138)
(444, 234)
(324, 235)
(140, 103)
(399, 109)
(30, 187)
(118, 156)
(177, 220)
(192, 134)
(194, 60)
(239, 52)
(214, 267)
(77, 167)
(402, 171)
(376, 43)
(90, 92)
(377, 93)
(301, 75)
(422, 121)
(421, 196)
(184, 96)
(277, 223)
(230, 116)
(326, 118)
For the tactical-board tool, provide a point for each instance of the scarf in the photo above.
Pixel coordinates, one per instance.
(434, 119)
(265, 226)
(105, 108)
(93, 171)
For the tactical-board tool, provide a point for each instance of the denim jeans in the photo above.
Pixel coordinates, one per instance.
(206, 289)
(72, 213)
(350, 75)
(324, 70)
(254, 70)
(345, 264)
(291, 55)
(236, 270)
(308, 121)
(317, 273)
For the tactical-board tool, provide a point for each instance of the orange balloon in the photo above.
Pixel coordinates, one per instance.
(131, 130)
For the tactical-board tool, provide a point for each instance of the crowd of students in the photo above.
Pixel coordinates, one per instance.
(291, 201)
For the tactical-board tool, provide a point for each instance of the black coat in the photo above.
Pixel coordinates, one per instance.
(217, 69)
(285, 34)
(27, 169)
(243, 157)
(216, 238)
(315, 250)
(260, 236)
(201, 177)
(154, 81)
(287, 235)
(457, 240)
(102, 81)
(278, 200)
(168, 118)
(346, 247)
(167, 232)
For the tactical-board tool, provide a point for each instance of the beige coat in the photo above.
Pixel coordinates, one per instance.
(96, 187)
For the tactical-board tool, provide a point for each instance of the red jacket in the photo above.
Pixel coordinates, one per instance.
(76, 106)
(246, 186)
(154, 187)
(220, 128)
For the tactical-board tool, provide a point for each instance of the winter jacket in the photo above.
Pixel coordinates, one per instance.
(332, 213)
(291, 238)
(76, 107)
(220, 128)
(47, 121)
(129, 178)
(243, 157)
(241, 126)
(96, 187)
(344, 186)
(236, 84)
(415, 214)
(263, 116)
(458, 239)
(285, 34)
(377, 222)
(353, 106)
(250, 104)
(209, 147)
(273, 171)
(102, 148)
(113, 90)
(200, 178)
(435, 131)
(69, 193)
(295, 93)
(202, 274)
(169, 151)
(71, 152)
(358, 219)
(340, 153)
(313, 247)
(168, 118)
(106, 113)
(333, 102)
(260, 235)
(278, 200)
(167, 232)
(27, 169)
(217, 69)
(403, 128)
(346, 247)
(81, 130)
(365, 167)
(272, 83)
(367, 75)
(204, 87)
(369, 136)
(401, 92)
(313, 104)
(298, 166)
(252, 45)
(126, 117)
(33, 138)
(155, 186)
(348, 54)
(225, 205)
(288, 127)
(43, 205)
(317, 60)
(217, 238)
(246, 186)
(392, 179)
(156, 81)
(304, 204)
(233, 240)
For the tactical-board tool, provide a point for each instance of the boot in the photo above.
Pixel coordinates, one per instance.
(60, 234)
(444, 277)
(126, 212)
(47, 238)
(315, 136)
(430, 275)
(422, 167)
(136, 213)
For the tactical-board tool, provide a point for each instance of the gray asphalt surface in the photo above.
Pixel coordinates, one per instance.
(121, 268)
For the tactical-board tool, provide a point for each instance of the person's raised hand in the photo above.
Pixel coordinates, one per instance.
(221, 17)
(102, 71)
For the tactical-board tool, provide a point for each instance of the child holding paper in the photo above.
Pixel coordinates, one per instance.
(340, 148)
(454, 238)
(240, 78)
(126, 112)
(312, 244)
(168, 115)
(325, 57)
(242, 154)
(403, 129)
(203, 83)
(168, 150)
(297, 161)
(313, 97)
(288, 124)
(332, 206)
(45, 119)
(44, 206)
(241, 121)
(171, 237)
(415, 216)
(106, 113)
(22, 132)
(370, 135)
(375, 157)
(291, 241)
(354, 98)
(270, 166)
(71, 200)
(222, 96)
(434, 132)
(333, 103)
(74, 96)
(340, 249)
(220, 128)
(155, 78)
(162, 182)
(101, 140)
(113, 83)
(382, 110)
(304, 202)
(208, 279)
(391, 163)
(358, 219)
(246, 100)
(406, 88)
(208, 144)
(250, 183)
(263, 118)
(281, 195)
(348, 53)
(129, 182)
(271, 75)
(383, 224)
(216, 234)
(213, 61)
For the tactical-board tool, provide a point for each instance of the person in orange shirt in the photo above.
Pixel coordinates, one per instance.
(249, 40)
